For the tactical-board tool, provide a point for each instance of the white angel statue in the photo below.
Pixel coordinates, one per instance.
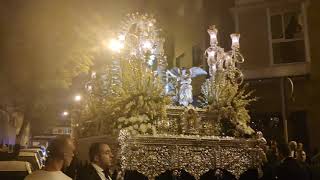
(184, 77)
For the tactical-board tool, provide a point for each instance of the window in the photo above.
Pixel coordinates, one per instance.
(287, 38)
(179, 59)
(197, 55)
(67, 130)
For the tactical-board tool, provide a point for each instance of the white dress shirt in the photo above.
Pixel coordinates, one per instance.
(100, 172)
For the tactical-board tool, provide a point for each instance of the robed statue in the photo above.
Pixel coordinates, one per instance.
(183, 78)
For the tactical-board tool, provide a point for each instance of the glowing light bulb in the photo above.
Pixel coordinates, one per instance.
(235, 41)
(147, 45)
(115, 45)
(77, 98)
(65, 113)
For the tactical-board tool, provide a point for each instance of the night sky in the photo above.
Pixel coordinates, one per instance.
(47, 47)
(45, 44)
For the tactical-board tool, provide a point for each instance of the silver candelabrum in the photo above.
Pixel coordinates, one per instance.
(219, 60)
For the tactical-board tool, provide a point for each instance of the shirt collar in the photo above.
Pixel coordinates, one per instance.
(98, 168)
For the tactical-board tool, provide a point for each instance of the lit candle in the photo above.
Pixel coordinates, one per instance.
(212, 31)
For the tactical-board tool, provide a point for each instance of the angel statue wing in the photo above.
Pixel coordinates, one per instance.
(197, 71)
(174, 72)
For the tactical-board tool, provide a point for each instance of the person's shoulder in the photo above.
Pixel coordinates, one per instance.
(41, 174)
(62, 176)
(35, 175)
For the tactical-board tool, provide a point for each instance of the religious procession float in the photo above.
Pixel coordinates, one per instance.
(159, 123)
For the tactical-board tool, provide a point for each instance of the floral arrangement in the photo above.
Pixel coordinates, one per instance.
(227, 101)
(135, 104)
(141, 101)
(136, 125)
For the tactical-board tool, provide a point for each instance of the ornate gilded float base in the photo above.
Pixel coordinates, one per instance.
(153, 155)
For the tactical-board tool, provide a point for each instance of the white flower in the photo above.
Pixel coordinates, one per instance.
(140, 100)
(147, 108)
(121, 119)
(132, 119)
(128, 106)
(139, 119)
(145, 117)
(134, 132)
(143, 128)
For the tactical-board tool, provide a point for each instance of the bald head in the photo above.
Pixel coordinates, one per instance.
(61, 148)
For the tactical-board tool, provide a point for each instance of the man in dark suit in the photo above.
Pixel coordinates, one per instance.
(100, 157)
(289, 168)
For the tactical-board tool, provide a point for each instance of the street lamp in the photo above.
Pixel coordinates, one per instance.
(65, 113)
(77, 98)
(75, 119)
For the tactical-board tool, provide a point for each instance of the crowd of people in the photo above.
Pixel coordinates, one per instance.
(61, 163)
(288, 161)
(282, 162)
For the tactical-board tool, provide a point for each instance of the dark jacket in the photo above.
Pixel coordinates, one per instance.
(290, 169)
(88, 173)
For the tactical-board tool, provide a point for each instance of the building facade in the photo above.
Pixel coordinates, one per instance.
(278, 40)
(278, 43)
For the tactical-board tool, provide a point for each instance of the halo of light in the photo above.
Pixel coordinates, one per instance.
(115, 45)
